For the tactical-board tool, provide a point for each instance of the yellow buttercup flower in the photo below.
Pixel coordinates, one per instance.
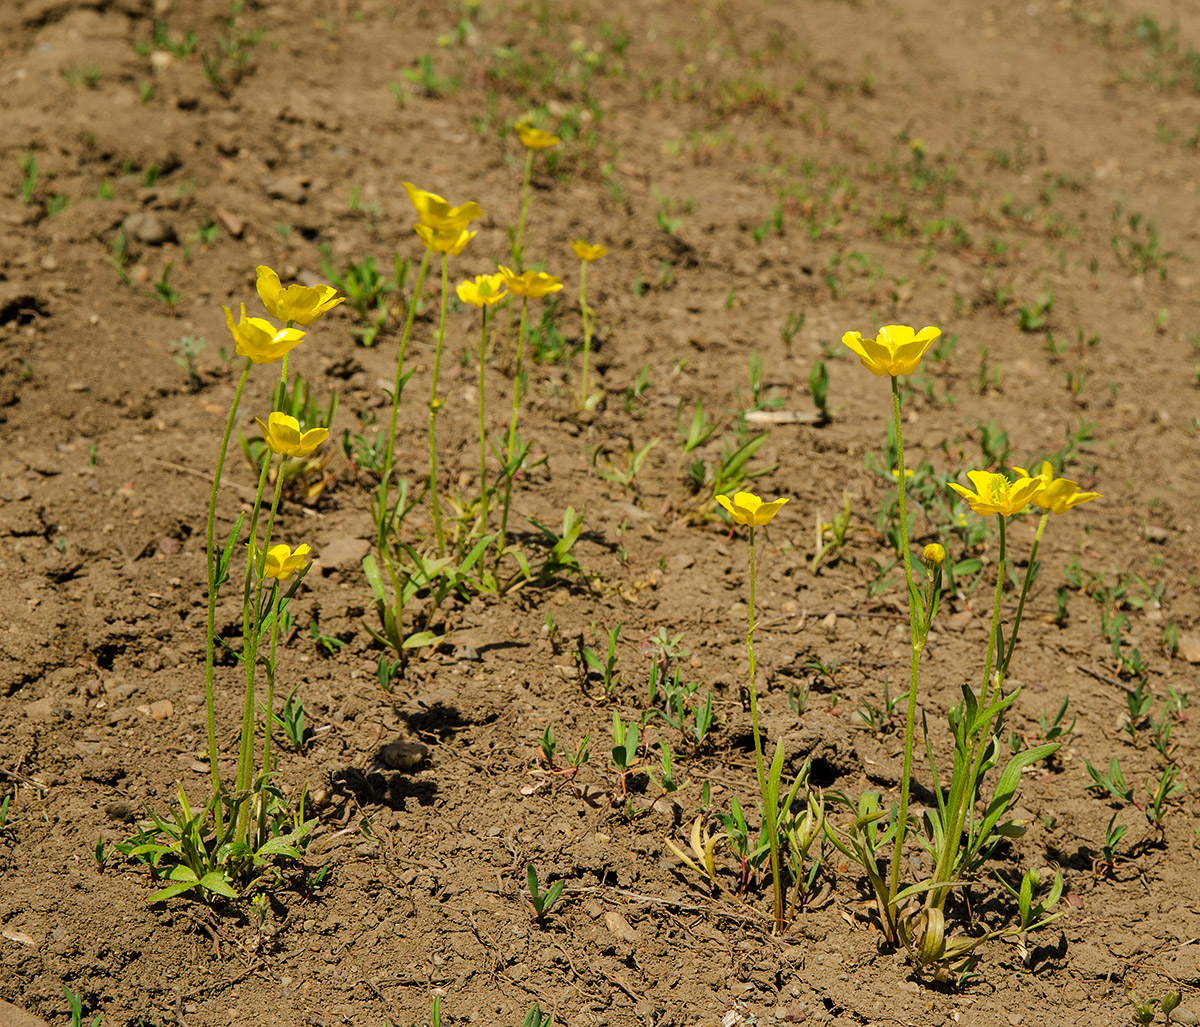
(1057, 495)
(485, 291)
(934, 554)
(259, 340)
(436, 213)
(283, 437)
(747, 508)
(300, 304)
(281, 563)
(897, 350)
(533, 284)
(535, 138)
(452, 242)
(995, 494)
(587, 252)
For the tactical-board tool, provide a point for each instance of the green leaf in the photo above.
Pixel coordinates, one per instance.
(171, 890)
(371, 569)
(421, 638)
(214, 881)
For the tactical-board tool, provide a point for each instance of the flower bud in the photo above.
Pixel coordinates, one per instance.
(934, 554)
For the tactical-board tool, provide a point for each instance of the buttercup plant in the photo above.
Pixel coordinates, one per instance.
(442, 228)
(915, 916)
(534, 140)
(535, 285)
(447, 243)
(587, 253)
(259, 341)
(748, 509)
(484, 292)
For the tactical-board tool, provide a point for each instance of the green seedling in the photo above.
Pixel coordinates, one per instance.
(29, 176)
(750, 857)
(1143, 1012)
(329, 643)
(791, 326)
(536, 1018)
(607, 668)
(624, 750)
(541, 902)
(163, 288)
(1112, 781)
(698, 430)
(625, 475)
(120, 256)
(1054, 730)
(818, 385)
(76, 1005)
(831, 537)
(291, 720)
(1159, 794)
(185, 352)
(665, 778)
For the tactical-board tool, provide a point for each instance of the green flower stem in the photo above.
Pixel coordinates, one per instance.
(434, 405)
(252, 632)
(382, 520)
(962, 788)
(483, 489)
(510, 471)
(1029, 570)
(276, 604)
(586, 314)
(213, 560)
(915, 634)
(768, 806)
(519, 237)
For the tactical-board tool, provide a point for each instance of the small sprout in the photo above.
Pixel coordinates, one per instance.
(542, 902)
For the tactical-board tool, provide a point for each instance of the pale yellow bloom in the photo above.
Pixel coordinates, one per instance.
(533, 284)
(300, 304)
(451, 242)
(485, 291)
(535, 138)
(283, 437)
(747, 508)
(588, 252)
(1057, 495)
(898, 349)
(995, 494)
(436, 213)
(259, 340)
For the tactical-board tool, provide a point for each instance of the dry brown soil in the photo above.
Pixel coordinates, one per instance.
(1022, 175)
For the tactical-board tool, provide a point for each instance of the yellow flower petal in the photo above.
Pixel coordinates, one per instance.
(259, 340)
(281, 563)
(535, 138)
(300, 304)
(485, 291)
(1058, 495)
(747, 508)
(452, 242)
(283, 437)
(588, 252)
(533, 284)
(995, 494)
(897, 350)
(436, 213)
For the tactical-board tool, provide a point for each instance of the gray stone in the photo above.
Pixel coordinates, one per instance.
(342, 552)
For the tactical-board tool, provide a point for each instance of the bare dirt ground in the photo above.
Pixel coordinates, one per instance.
(765, 176)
